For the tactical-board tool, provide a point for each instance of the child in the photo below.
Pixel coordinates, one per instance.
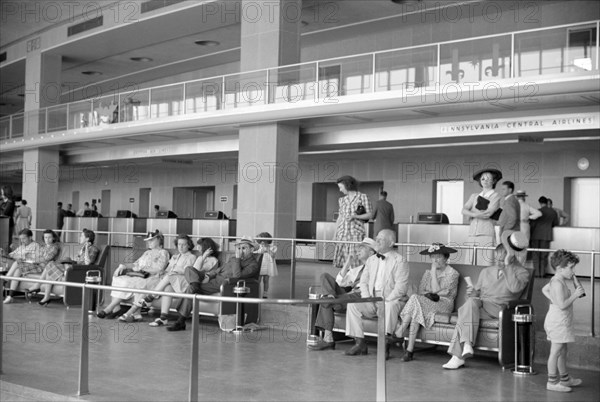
(268, 266)
(559, 320)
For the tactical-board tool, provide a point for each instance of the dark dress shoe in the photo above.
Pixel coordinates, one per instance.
(101, 314)
(322, 345)
(178, 326)
(359, 349)
(408, 356)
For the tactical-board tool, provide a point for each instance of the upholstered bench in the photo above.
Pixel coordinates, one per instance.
(493, 335)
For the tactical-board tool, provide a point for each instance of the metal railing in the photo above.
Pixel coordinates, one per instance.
(293, 257)
(83, 379)
(408, 69)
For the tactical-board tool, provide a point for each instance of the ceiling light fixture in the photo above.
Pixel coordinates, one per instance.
(207, 43)
(141, 59)
(91, 73)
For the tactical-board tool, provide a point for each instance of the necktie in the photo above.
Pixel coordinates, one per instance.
(380, 256)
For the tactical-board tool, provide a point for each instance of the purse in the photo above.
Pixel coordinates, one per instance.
(139, 274)
(361, 210)
(432, 296)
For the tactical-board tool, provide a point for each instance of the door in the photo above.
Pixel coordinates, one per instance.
(105, 203)
(75, 201)
(585, 193)
(145, 201)
(449, 199)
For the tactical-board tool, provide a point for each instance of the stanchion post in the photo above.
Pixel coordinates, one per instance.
(381, 374)
(293, 271)
(85, 347)
(474, 255)
(592, 295)
(193, 393)
(1, 323)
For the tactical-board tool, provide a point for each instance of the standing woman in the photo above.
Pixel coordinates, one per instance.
(87, 255)
(354, 211)
(437, 292)
(480, 209)
(23, 217)
(7, 208)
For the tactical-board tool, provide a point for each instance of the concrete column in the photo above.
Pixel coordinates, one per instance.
(40, 185)
(268, 156)
(42, 86)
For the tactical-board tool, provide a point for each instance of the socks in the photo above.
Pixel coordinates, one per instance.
(564, 377)
(328, 336)
(553, 378)
(163, 316)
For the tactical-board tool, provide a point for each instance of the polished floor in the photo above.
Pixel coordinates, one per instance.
(140, 363)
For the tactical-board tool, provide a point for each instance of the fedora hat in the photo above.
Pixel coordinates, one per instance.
(520, 193)
(367, 241)
(514, 241)
(494, 172)
(246, 240)
(437, 248)
(152, 235)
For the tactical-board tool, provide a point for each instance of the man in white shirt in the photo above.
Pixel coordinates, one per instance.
(344, 286)
(385, 275)
(528, 213)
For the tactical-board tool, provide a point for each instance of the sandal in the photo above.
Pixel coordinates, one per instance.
(159, 322)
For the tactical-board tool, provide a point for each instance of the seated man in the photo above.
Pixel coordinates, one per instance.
(385, 275)
(243, 266)
(344, 286)
(497, 285)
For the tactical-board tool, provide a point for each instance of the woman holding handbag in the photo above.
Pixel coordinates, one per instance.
(437, 292)
(354, 211)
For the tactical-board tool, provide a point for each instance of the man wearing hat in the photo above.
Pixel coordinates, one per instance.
(480, 209)
(496, 287)
(528, 213)
(385, 275)
(344, 286)
(243, 266)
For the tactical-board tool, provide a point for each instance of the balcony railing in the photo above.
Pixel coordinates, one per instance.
(563, 50)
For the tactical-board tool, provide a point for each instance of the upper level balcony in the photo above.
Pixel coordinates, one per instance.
(554, 55)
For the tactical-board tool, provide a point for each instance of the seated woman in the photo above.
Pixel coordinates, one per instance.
(173, 281)
(55, 271)
(344, 286)
(437, 292)
(143, 274)
(49, 253)
(30, 257)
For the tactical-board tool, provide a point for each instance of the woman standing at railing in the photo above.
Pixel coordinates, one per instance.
(142, 274)
(56, 271)
(354, 211)
(481, 210)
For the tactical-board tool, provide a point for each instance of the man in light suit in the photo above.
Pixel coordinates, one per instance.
(385, 274)
(510, 217)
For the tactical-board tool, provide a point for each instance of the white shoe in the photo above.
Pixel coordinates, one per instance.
(558, 387)
(467, 351)
(573, 382)
(8, 300)
(158, 323)
(454, 363)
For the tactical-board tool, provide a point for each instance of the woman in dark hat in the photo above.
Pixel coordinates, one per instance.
(142, 274)
(480, 209)
(437, 292)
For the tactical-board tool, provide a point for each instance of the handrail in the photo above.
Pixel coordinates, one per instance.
(83, 389)
(221, 79)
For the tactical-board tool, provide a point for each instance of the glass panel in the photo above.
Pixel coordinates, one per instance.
(582, 49)
(346, 76)
(80, 114)
(203, 96)
(41, 116)
(406, 69)
(244, 90)
(538, 53)
(106, 111)
(292, 84)
(166, 101)
(477, 60)
(135, 105)
(18, 125)
(57, 118)
(5, 128)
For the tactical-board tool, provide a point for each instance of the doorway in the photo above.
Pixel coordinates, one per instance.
(584, 211)
(105, 203)
(193, 202)
(145, 200)
(449, 199)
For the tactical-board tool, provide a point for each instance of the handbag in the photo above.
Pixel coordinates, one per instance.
(361, 210)
(434, 297)
(139, 274)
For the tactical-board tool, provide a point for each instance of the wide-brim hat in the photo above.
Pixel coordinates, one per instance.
(514, 242)
(367, 241)
(494, 172)
(437, 248)
(521, 193)
(246, 240)
(152, 235)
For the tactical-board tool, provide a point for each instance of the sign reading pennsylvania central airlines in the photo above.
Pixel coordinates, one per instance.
(571, 122)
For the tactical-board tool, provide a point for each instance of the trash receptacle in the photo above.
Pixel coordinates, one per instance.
(524, 340)
(240, 290)
(93, 277)
(312, 337)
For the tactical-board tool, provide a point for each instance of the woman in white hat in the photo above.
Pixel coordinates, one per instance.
(480, 209)
(344, 286)
(142, 274)
(437, 292)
